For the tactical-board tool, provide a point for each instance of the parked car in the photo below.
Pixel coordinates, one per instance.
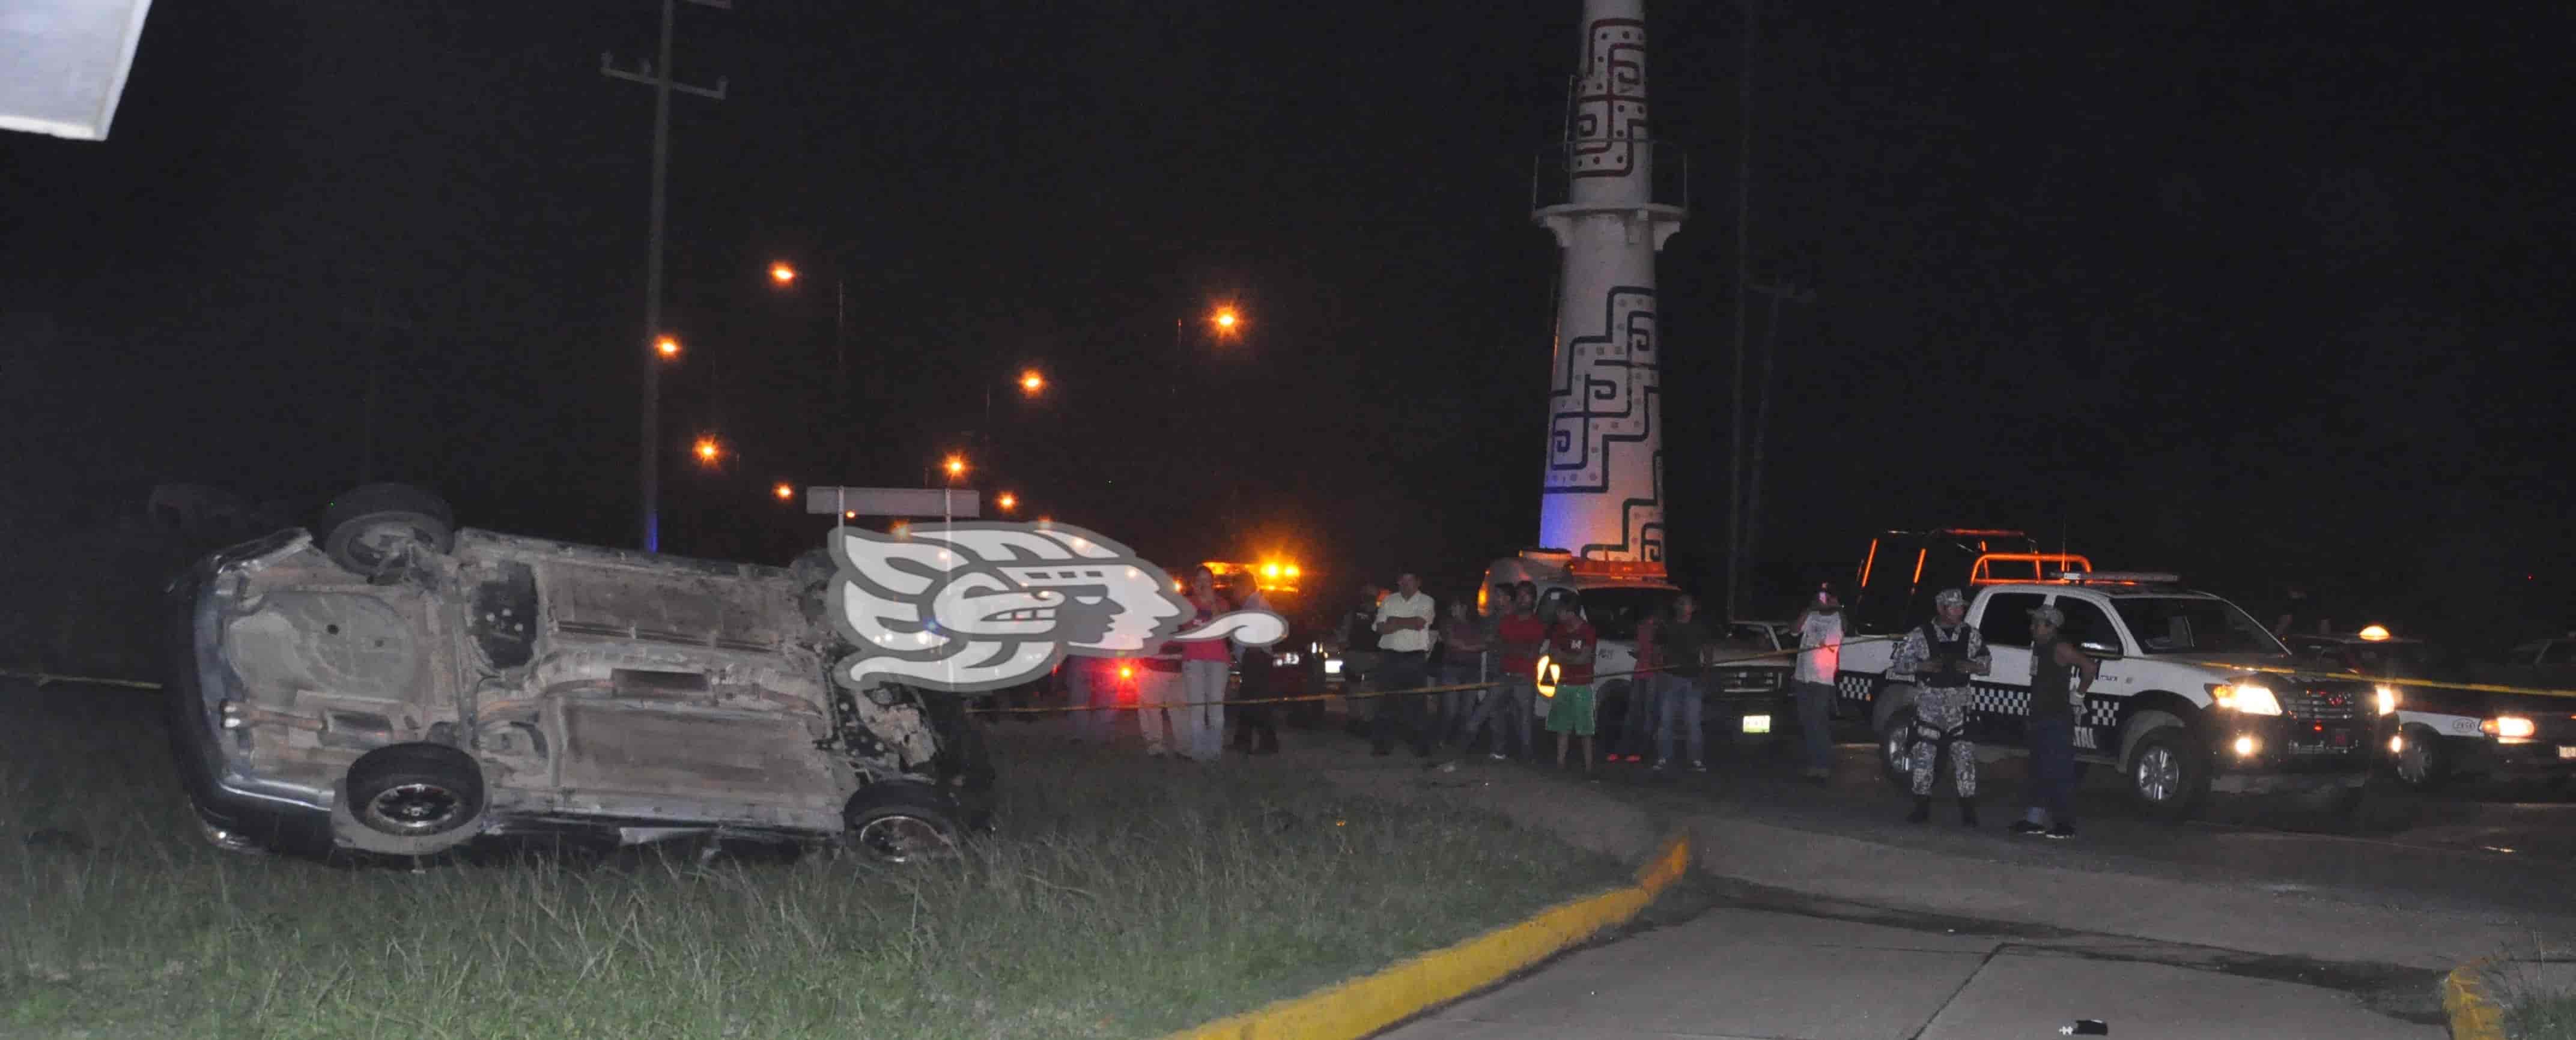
(2548, 663)
(392, 684)
(1748, 693)
(2433, 734)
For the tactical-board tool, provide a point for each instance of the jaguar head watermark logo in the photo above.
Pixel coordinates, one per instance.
(966, 607)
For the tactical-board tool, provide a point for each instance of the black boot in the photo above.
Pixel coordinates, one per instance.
(1967, 812)
(1922, 810)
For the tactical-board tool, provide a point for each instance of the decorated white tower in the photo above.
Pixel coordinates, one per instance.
(1604, 491)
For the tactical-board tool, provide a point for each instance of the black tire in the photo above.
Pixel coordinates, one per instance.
(415, 790)
(2167, 773)
(2421, 765)
(1896, 748)
(373, 529)
(900, 823)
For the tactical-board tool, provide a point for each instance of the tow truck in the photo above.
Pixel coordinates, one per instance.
(2175, 708)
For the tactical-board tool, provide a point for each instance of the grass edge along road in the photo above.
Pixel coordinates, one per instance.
(2512, 998)
(1121, 897)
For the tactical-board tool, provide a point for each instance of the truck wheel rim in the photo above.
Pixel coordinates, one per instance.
(2413, 762)
(2159, 774)
(902, 839)
(415, 808)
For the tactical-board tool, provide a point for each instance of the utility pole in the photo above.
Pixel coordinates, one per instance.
(658, 76)
(1762, 409)
(1743, 262)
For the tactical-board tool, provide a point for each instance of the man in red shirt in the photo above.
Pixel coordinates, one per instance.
(1571, 644)
(1517, 635)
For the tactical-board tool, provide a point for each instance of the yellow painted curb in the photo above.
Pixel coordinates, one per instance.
(1370, 1003)
(2474, 1015)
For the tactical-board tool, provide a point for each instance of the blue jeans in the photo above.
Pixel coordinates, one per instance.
(1644, 714)
(1679, 699)
(2052, 769)
(1816, 722)
(1508, 708)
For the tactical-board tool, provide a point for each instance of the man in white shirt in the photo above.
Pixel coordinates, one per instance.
(1404, 620)
(1820, 646)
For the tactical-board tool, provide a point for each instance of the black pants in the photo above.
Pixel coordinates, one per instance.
(1256, 720)
(1401, 671)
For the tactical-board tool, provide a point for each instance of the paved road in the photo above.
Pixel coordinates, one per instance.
(2474, 850)
(1739, 974)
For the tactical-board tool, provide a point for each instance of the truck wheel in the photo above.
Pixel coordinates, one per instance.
(899, 823)
(415, 790)
(373, 529)
(2421, 766)
(2168, 772)
(1896, 748)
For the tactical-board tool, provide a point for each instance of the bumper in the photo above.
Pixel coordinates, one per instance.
(231, 808)
(2256, 753)
(1753, 714)
(2518, 759)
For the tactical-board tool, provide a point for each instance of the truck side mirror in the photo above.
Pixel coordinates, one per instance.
(2101, 650)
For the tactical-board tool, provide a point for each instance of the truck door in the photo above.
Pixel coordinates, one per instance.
(2006, 625)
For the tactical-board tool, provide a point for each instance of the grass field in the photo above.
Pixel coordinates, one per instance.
(1120, 898)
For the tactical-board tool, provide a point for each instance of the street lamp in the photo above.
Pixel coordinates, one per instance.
(956, 466)
(784, 275)
(1007, 501)
(708, 450)
(1226, 319)
(667, 346)
(1032, 381)
(785, 491)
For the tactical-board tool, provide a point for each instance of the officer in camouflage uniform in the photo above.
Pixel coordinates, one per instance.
(1939, 657)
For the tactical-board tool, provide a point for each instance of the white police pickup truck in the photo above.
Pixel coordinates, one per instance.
(2175, 710)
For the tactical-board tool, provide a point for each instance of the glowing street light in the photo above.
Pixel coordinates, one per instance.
(708, 450)
(1226, 320)
(667, 346)
(1032, 381)
(1007, 501)
(786, 492)
(781, 273)
(956, 466)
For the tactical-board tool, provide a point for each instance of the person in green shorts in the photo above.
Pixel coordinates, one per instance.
(1571, 645)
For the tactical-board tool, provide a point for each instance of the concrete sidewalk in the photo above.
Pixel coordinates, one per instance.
(1761, 975)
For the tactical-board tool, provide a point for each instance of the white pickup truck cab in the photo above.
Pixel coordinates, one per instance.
(2174, 709)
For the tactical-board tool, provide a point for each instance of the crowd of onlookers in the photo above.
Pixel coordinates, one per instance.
(1490, 671)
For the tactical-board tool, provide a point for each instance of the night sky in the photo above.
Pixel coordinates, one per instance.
(2262, 292)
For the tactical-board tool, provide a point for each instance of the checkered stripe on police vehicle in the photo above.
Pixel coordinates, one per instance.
(1854, 686)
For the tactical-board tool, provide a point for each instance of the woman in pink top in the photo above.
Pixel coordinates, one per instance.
(1199, 725)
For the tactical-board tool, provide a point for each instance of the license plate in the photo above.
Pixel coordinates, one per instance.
(2565, 751)
(1762, 724)
(1332, 666)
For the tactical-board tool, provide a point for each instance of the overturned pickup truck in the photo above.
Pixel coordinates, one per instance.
(402, 687)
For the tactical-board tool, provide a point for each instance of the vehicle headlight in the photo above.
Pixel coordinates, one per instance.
(2246, 698)
(2510, 727)
(2387, 700)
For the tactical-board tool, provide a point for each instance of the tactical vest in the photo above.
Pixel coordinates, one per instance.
(1955, 648)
